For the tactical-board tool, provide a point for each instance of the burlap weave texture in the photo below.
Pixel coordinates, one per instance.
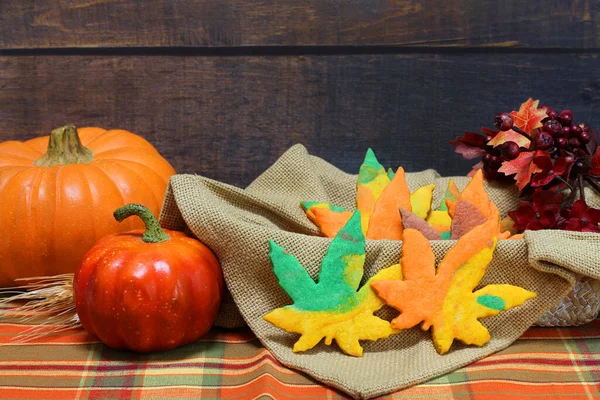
(237, 224)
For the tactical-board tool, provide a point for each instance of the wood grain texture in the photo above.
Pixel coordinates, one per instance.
(26, 24)
(229, 118)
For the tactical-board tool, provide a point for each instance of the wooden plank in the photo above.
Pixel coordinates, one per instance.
(229, 118)
(28, 24)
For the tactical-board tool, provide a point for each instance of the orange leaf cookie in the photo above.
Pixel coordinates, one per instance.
(444, 299)
(379, 194)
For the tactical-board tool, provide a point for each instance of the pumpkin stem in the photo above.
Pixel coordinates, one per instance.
(64, 147)
(154, 233)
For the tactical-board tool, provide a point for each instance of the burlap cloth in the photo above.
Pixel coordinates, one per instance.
(237, 224)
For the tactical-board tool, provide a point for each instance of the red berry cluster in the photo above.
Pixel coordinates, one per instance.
(559, 135)
(551, 157)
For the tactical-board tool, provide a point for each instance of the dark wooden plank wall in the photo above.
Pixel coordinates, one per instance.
(222, 88)
(100, 23)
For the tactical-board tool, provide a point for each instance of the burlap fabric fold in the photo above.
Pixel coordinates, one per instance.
(237, 224)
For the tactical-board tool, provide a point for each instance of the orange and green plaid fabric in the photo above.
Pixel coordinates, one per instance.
(546, 363)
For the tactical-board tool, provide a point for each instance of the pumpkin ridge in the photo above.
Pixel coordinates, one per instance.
(181, 241)
(48, 183)
(95, 138)
(57, 200)
(14, 160)
(15, 219)
(144, 166)
(96, 168)
(88, 134)
(127, 150)
(160, 166)
(29, 146)
(90, 276)
(91, 230)
(17, 148)
(123, 164)
(93, 279)
(37, 235)
(130, 223)
(5, 170)
(107, 140)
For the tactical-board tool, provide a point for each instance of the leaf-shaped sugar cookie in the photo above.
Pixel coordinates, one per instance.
(459, 212)
(379, 194)
(378, 199)
(451, 195)
(444, 299)
(441, 220)
(420, 201)
(331, 308)
(329, 218)
(413, 221)
(472, 207)
(390, 173)
(385, 222)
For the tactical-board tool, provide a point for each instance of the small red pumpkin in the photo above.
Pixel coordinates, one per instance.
(147, 290)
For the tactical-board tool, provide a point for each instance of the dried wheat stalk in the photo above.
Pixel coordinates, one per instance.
(47, 297)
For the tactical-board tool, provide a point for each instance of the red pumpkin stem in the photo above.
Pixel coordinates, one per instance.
(64, 147)
(154, 233)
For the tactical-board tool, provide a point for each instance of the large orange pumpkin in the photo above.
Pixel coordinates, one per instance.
(58, 193)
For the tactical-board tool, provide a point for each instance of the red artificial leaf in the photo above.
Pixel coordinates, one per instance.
(471, 145)
(468, 152)
(549, 170)
(529, 117)
(523, 167)
(595, 163)
(489, 132)
(510, 136)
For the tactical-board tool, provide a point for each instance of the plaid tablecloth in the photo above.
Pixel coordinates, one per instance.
(556, 363)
